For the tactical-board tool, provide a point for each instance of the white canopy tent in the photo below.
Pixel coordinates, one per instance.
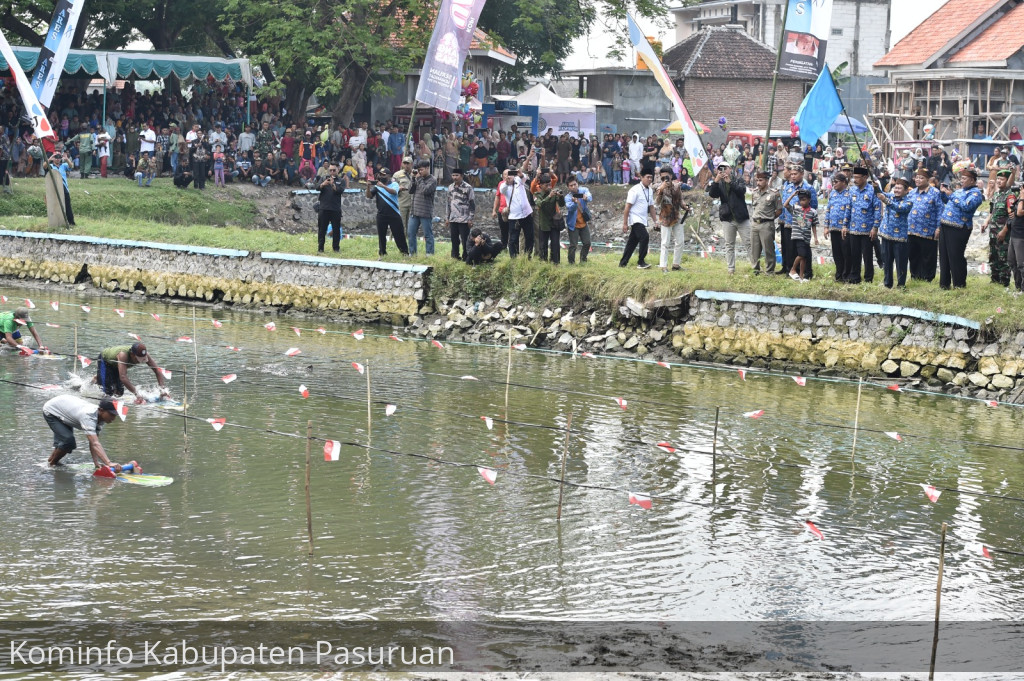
(544, 109)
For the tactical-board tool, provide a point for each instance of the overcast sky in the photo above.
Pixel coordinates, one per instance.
(590, 52)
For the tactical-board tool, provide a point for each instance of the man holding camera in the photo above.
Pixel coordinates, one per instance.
(520, 213)
(732, 211)
(461, 210)
(386, 191)
(668, 198)
(331, 190)
(549, 220)
(422, 189)
(577, 220)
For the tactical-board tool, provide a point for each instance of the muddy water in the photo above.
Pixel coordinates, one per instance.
(400, 537)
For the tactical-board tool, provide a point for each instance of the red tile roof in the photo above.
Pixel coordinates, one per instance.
(998, 42)
(482, 41)
(936, 31)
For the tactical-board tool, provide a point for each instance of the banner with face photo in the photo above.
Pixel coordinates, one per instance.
(572, 123)
(808, 25)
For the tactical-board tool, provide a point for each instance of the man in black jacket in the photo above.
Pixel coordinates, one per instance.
(330, 209)
(732, 193)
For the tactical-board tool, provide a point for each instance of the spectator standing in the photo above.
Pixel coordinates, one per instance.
(396, 148)
(1002, 205)
(519, 213)
(85, 148)
(386, 191)
(1016, 249)
(174, 140)
(246, 143)
(865, 219)
(795, 182)
(329, 212)
(732, 210)
(955, 226)
(200, 161)
(639, 209)
(577, 220)
(549, 221)
(422, 188)
(766, 207)
(461, 211)
(404, 179)
(893, 233)
(103, 152)
(668, 201)
(923, 225)
(147, 139)
(805, 224)
(837, 220)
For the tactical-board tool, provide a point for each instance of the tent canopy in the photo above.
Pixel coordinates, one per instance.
(113, 65)
(548, 102)
(841, 127)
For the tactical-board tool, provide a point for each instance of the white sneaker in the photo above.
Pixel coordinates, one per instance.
(794, 277)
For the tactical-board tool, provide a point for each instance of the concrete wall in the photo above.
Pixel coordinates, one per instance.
(743, 102)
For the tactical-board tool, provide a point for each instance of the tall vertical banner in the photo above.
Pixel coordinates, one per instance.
(691, 137)
(55, 49)
(441, 79)
(808, 25)
(35, 111)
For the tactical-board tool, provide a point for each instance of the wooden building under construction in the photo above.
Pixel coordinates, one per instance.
(961, 71)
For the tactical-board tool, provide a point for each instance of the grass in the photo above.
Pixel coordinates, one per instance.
(599, 282)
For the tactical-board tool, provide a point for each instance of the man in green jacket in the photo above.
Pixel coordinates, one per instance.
(112, 370)
(549, 220)
(10, 334)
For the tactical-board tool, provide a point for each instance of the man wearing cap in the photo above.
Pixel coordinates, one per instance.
(1002, 206)
(329, 214)
(386, 191)
(11, 334)
(893, 232)
(955, 226)
(66, 413)
(837, 219)
(461, 211)
(732, 210)
(865, 219)
(938, 163)
(404, 179)
(422, 189)
(765, 209)
(795, 182)
(922, 225)
(112, 370)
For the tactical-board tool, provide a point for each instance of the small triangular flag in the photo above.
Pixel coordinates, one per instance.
(121, 408)
(992, 403)
(184, 339)
(84, 360)
(894, 435)
(800, 380)
(358, 367)
(437, 344)
(86, 309)
(754, 414)
(53, 326)
(166, 372)
(120, 313)
(621, 402)
(895, 388)
(3, 299)
(984, 552)
(703, 254)
(930, 492)
(396, 338)
(291, 352)
(321, 330)
(814, 530)
(228, 378)
(743, 374)
(217, 423)
(304, 391)
(332, 450)
(488, 421)
(154, 315)
(217, 323)
(983, 268)
(588, 355)
(520, 346)
(390, 409)
(358, 335)
(488, 474)
(821, 260)
(666, 447)
(297, 330)
(233, 348)
(664, 364)
(55, 305)
(29, 304)
(270, 326)
(134, 335)
(641, 500)
(470, 378)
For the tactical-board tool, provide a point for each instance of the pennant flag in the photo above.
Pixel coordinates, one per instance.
(34, 110)
(216, 323)
(358, 335)
(50, 386)
(664, 364)
(165, 372)
(470, 378)
(291, 352)
(743, 374)
(270, 326)
(20, 322)
(154, 316)
(437, 344)
(297, 330)
(754, 414)
(184, 339)
(121, 408)
(84, 360)
(820, 108)
(390, 409)
(641, 500)
(983, 268)
(489, 474)
(441, 84)
(992, 403)
(520, 346)
(488, 421)
(86, 309)
(894, 435)
(3, 299)
(704, 254)
(814, 530)
(228, 378)
(999, 310)
(134, 335)
(984, 552)
(120, 313)
(691, 138)
(666, 447)
(800, 380)
(930, 492)
(304, 391)
(217, 423)
(895, 388)
(55, 305)
(54, 51)
(232, 347)
(358, 367)
(29, 304)
(53, 326)
(24, 350)
(821, 260)
(588, 355)
(332, 450)
(321, 330)
(396, 338)
(621, 402)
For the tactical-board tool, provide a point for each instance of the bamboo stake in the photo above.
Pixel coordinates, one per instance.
(714, 450)
(309, 503)
(508, 374)
(938, 602)
(565, 453)
(76, 342)
(369, 418)
(856, 421)
(195, 341)
(184, 403)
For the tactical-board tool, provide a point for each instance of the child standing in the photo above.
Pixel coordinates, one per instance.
(805, 224)
(617, 168)
(626, 167)
(218, 166)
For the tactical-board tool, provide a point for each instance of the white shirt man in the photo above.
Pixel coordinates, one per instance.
(359, 137)
(639, 209)
(636, 153)
(218, 136)
(520, 214)
(246, 141)
(147, 140)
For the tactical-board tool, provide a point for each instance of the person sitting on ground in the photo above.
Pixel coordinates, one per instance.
(113, 365)
(144, 170)
(260, 173)
(183, 174)
(11, 334)
(65, 413)
(482, 249)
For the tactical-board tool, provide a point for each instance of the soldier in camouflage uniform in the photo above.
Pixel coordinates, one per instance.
(265, 140)
(1003, 205)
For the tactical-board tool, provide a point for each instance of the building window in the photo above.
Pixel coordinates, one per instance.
(837, 31)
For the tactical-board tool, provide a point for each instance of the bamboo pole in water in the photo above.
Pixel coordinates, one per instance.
(508, 374)
(856, 422)
(76, 343)
(184, 403)
(714, 449)
(309, 503)
(938, 603)
(369, 412)
(565, 453)
(195, 340)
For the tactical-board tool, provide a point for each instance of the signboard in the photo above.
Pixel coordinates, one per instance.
(807, 29)
(506, 106)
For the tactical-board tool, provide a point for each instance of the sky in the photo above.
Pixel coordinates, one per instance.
(590, 51)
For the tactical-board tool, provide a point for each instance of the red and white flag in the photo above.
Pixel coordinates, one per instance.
(358, 367)
(814, 530)
(621, 402)
(217, 323)
(930, 492)
(229, 378)
(754, 414)
(20, 322)
(184, 339)
(298, 331)
(641, 500)
(84, 360)
(291, 352)
(704, 254)
(270, 326)
(664, 364)
(895, 388)
(983, 268)
(121, 408)
(55, 305)
(984, 552)
(588, 355)
(488, 474)
(488, 421)
(120, 313)
(992, 403)
(894, 435)
(821, 260)
(86, 309)
(437, 344)
(396, 338)
(520, 346)
(321, 330)
(24, 350)
(3, 299)
(233, 348)
(390, 409)
(53, 326)
(154, 315)
(470, 378)
(332, 450)
(50, 386)
(743, 374)
(29, 304)
(217, 423)
(666, 447)
(358, 335)
(135, 336)
(166, 372)
(304, 391)
(800, 380)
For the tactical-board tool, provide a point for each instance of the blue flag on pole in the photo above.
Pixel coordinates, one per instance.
(819, 109)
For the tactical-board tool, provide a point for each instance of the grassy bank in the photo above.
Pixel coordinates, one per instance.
(165, 214)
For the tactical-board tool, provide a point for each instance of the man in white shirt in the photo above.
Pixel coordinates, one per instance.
(359, 137)
(636, 154)
(246, 141)
(66, 413)
(639, 209)
(147, 140)
(520, 213)
(218, 136)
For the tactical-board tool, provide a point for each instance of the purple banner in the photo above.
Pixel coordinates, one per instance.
(441, 79)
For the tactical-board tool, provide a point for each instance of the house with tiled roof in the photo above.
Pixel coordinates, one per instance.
(961, 70)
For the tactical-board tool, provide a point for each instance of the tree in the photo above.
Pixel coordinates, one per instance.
(333, 49)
